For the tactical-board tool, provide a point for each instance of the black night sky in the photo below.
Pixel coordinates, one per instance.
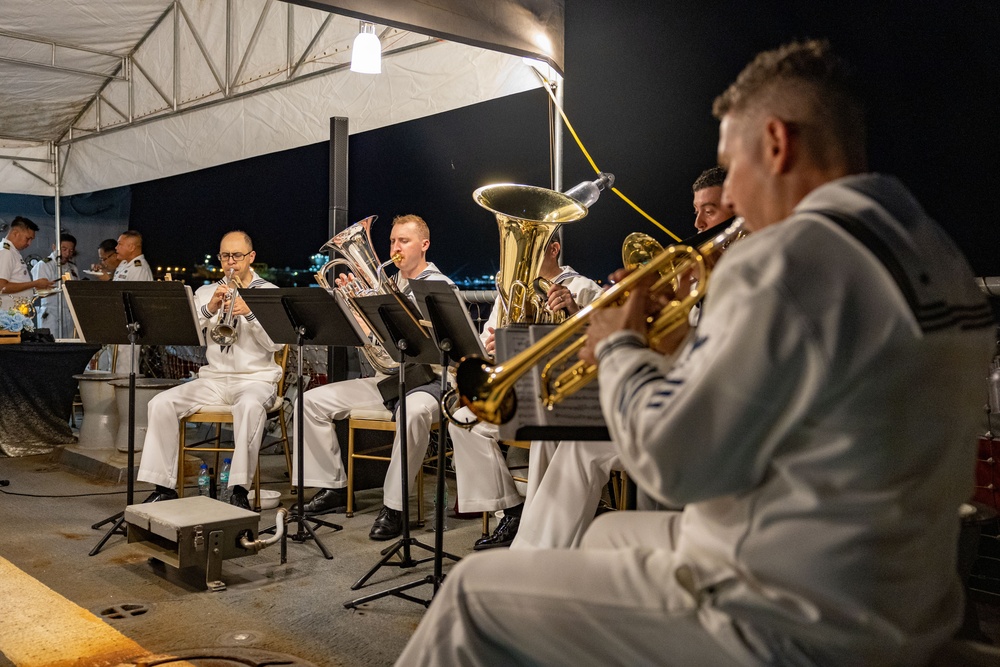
(641, 77)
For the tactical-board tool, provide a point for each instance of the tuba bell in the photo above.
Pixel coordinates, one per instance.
(527, 216)
(355, 244)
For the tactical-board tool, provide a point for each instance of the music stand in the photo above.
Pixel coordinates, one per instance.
(395, 320)
(293, 316)
(121, 312)
(456, 338)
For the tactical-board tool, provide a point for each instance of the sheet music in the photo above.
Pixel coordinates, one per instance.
(511, 341)
(582, 409)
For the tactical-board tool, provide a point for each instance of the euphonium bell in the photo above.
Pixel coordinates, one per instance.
(489, 390)
(355, 244)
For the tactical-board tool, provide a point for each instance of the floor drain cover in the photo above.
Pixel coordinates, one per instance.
(120, 611)
(231, 657)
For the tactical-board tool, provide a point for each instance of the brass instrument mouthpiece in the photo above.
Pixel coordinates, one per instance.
(397, 258)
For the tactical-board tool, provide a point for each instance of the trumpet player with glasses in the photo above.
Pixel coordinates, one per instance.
(241, 373)
(818, 429)
(323, 467)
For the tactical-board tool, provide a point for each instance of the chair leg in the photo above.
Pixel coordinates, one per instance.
(180, 460)
(486, 524)
(350, 471)
(286, 446)
(420, 496)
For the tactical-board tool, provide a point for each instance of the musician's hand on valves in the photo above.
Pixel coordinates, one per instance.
(491, 342)
(240, 307)
(343, 279)
(560, 298)
(218, 299)
(606, 321)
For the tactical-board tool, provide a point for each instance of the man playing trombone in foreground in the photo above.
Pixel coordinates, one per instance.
(818, 429)
(241, 373)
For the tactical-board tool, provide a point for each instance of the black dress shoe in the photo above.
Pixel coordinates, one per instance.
(388, 525)
(161, 493)
(502, 536)
(240, 498)
(324, 502)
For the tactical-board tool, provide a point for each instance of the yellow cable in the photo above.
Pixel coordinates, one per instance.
(569, 126)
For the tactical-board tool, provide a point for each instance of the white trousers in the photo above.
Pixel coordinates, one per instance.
(615, 601)
(321, 449)
(483, 480)
(565, 483)
(249, 400)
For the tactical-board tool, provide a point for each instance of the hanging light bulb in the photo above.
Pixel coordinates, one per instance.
(366, 54)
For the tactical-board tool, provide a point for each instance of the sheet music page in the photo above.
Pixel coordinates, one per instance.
(582, 409)
(511, 341)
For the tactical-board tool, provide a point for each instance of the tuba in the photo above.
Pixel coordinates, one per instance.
(355, 244)
(489, 390)
(528, 216)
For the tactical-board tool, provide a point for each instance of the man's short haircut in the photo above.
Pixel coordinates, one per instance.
(246, 237)
(135, 236)
(23, 223)
(425, 231)
(68, 237)
(108, 245)
(809, 88)
(710, 178)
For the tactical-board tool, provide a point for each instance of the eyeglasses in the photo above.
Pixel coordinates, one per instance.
(237, 256)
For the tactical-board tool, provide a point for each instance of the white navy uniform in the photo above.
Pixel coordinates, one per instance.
(13, 269)
(485, 483)
(323, 405)
(819, 431)
(136, 268)
(48, 313)
(242, 376)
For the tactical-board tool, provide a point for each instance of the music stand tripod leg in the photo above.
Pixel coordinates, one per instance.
(305, 531)
(404, 544)
(119, 518)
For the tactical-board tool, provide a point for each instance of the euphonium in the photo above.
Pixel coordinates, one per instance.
(355, 244)
(489, 390)
(224, 332)
(527, 217)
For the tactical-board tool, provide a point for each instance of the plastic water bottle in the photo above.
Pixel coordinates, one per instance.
(224, 491)
(587, 192)
(204, 481)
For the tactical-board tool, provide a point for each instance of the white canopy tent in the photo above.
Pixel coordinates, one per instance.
(101, 94)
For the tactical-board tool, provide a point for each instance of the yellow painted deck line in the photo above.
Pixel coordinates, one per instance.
(40, 628)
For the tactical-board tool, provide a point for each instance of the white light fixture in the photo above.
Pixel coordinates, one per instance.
(366, 54)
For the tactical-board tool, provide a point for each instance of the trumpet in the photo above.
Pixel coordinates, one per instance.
(489, 390)
(224, 332)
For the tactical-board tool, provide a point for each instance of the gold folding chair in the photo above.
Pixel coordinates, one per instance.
(219, 415)
(378, 419)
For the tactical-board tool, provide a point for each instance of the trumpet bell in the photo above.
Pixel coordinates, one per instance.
(475, 378)
(638, 248)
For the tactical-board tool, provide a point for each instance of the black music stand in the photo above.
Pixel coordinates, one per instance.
(293, 316)
(121, 312)
(395, 319)
(456, 338)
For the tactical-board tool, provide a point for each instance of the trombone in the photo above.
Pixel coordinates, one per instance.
(489, 390)
(224, 332)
